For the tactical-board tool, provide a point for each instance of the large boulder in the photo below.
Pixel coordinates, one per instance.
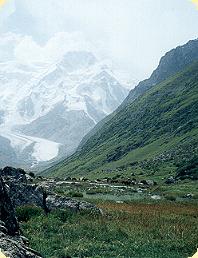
(61, 202)
(12, 243)
(148, 182)
(170, 180)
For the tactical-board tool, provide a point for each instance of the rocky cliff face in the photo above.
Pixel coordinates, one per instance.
(171, 63)
(6, 211)
(12, 243)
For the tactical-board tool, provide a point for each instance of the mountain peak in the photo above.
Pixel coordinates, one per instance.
(172, 62)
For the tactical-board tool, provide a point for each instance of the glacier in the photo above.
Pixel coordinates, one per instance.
(46, 109)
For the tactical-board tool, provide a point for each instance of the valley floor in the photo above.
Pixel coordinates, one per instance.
(143, 227)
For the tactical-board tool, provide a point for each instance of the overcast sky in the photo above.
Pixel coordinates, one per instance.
(130, 34)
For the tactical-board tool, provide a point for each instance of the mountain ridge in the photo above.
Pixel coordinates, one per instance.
(172, 62)
(161, 124)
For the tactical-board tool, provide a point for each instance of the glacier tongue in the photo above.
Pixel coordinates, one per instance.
(42, 149)
(46, 109)
(45, 150)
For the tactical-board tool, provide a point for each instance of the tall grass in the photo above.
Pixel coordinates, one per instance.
(126, 230)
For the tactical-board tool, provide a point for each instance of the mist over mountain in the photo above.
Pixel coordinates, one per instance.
(47, 109)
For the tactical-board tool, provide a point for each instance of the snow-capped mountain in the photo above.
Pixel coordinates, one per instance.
(46, 110)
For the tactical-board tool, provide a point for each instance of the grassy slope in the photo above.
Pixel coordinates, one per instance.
(149, 136)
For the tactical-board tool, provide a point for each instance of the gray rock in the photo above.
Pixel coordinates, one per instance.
(60, 202)
(170, 180)
(148, 182)
(15, 247)
(156, 197)
(11, 244)
(189, 196)
(7, 214)
(23, 193)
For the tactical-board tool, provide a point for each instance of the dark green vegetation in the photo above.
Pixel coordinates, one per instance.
(25, 213)
(137, 230)
(189, 169)
(152, 137)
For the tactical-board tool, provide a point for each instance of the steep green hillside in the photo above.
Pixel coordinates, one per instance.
(172, 62)
(154, 135)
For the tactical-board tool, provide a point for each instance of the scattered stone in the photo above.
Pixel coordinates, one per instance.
(148, 182)
(155, 197)
(170, 180)
(67, 178)
(83, 179)
(189, 196)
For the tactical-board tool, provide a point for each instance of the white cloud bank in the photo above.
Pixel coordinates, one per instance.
(133, 34)
(25, 49)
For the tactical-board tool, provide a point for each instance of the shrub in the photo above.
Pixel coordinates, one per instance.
(75, 194)
(25, 213)
(189, 169)
(63, 215)
(171, 198)
(195, 197)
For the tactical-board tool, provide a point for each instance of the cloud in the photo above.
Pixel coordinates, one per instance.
(8, 42)
(24, 49)
(27, 50)
(133, 34)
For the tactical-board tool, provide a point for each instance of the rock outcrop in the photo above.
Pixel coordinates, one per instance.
(12, 243)
(7, 212)
(23, 191)
(59, 202)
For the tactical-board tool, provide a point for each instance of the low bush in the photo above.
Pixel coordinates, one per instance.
(25, 213)
(188, 169)
(75, 194)
(171, 198)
